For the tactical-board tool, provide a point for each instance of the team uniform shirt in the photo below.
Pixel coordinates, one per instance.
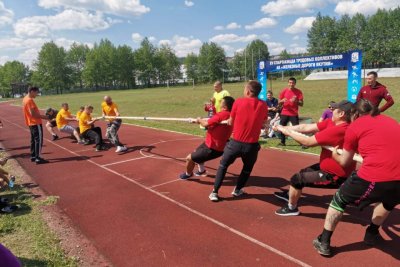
(218, 98)
(109, 110)
(248, 115)
(377, 141)
(83, 119)
(218, 134)
(29, 104)
(291, 107)
(331, 134)
(272, 103)
(374, 94)
(61, 118)
(78, 114)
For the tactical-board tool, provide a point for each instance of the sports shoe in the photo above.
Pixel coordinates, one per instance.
(199, 173)
(214, 197)
(371, 238)
(120, 149)
(81, 142)
(41, 161)
(99, 148)
(9, 209)
(285, 211)
(33, 159)
(185, 176)
(284, 195)
(55, 137)
(86, 142)
(237, 193)
(322, 248)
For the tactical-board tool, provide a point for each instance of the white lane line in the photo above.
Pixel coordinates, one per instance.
(172, 181)
(202, 215)
(123, 161)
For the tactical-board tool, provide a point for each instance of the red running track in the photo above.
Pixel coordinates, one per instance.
(137, 212)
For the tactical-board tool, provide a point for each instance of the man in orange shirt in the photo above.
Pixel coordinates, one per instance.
(88, 131)
(63, 118)
(109, 108)
(33, 119)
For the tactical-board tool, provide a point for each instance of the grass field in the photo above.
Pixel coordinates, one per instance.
(188, 102)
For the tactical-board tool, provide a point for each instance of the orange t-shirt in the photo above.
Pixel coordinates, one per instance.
(28, 104)
(83, 119)
(109, 110)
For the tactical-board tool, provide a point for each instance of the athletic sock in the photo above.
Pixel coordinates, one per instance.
(373, 228)
(325, 237)
(291, 206)
(201, 167)
(188, 174)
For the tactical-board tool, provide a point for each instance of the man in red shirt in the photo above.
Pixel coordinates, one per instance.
(290, 98)
(247, 117)
(33, 119)
(375, 92)
(327, 173)
(216, 138)
(376, 138)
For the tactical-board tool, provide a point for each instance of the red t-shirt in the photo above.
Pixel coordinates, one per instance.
(291, 106)
(331, 134)
(218, 134)
(374, 94)
(377, 140)
(248, 115)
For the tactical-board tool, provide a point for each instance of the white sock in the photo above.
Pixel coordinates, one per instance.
(291, 206)
(201, 167)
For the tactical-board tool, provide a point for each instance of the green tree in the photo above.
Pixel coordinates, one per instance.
(76, 59)
(12, 72)
(52, 70)
(211, 62)
(145, 62)
(256, 50)
(167, 65)
(236, 66)
(192, 67)
(125, 66)
(322, 36)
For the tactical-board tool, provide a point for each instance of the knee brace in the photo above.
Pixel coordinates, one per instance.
(338, 202)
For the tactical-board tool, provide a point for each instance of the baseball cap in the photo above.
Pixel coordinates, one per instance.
(343, 105)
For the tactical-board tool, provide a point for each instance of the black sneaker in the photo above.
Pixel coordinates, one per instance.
(55, 137)
(281, 144)
(284, 195)
(33, 159)
(100, 148)
(41, 161)
(322, 248)
(371, 238)
(285, 211)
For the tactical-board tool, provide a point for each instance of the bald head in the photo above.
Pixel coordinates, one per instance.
(108, 100)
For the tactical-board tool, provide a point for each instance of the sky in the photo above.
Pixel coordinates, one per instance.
(25, 25)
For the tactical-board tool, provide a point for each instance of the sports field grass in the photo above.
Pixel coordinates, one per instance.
(188, 102)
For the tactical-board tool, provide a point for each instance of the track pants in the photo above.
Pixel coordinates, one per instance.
(284, 121)
(112, 132)
(36, 140)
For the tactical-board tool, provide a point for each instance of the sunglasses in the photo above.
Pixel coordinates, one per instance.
(331, 107)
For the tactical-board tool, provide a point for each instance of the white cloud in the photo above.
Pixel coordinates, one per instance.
(136, 37)
(296, 37)
(229, 50)
(66, 20)
(152, 39)
(183, 45)
(275, 48)
(4, 59)
(366, 7)
(164, 42)
(262, 23)
(232, 38)
(189, 3)
(301, 24)
(297, 50)
(230, 26)
(124, 8)
(28, 56)
(6, 15)
(292, 7)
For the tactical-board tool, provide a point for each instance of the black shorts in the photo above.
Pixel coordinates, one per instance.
(203, 153)
(53, 124)
(362, 193)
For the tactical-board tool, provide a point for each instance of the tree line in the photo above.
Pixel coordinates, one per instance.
(378, 36)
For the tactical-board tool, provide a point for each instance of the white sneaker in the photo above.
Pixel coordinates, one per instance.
(121, 149)
(213, 197)
(237, 193)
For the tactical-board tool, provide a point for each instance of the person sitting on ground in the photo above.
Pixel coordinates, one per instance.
(88, 131)
(63, 118)
(109, 108)
(272, 104)
(6, 179)
(328, 113)
(326, 173)
(376, 138)
(4, 175)
(216, 138)
(273, 123)
(51, 123)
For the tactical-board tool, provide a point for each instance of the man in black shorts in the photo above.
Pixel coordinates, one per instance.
(376, 138)
(216, 138)
(51, 123)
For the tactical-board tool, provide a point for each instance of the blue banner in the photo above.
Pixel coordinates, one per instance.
(352, 60)
(262, 78)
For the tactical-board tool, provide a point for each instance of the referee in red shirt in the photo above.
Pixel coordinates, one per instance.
(375, 92)
(376, 138)
(247, 117)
